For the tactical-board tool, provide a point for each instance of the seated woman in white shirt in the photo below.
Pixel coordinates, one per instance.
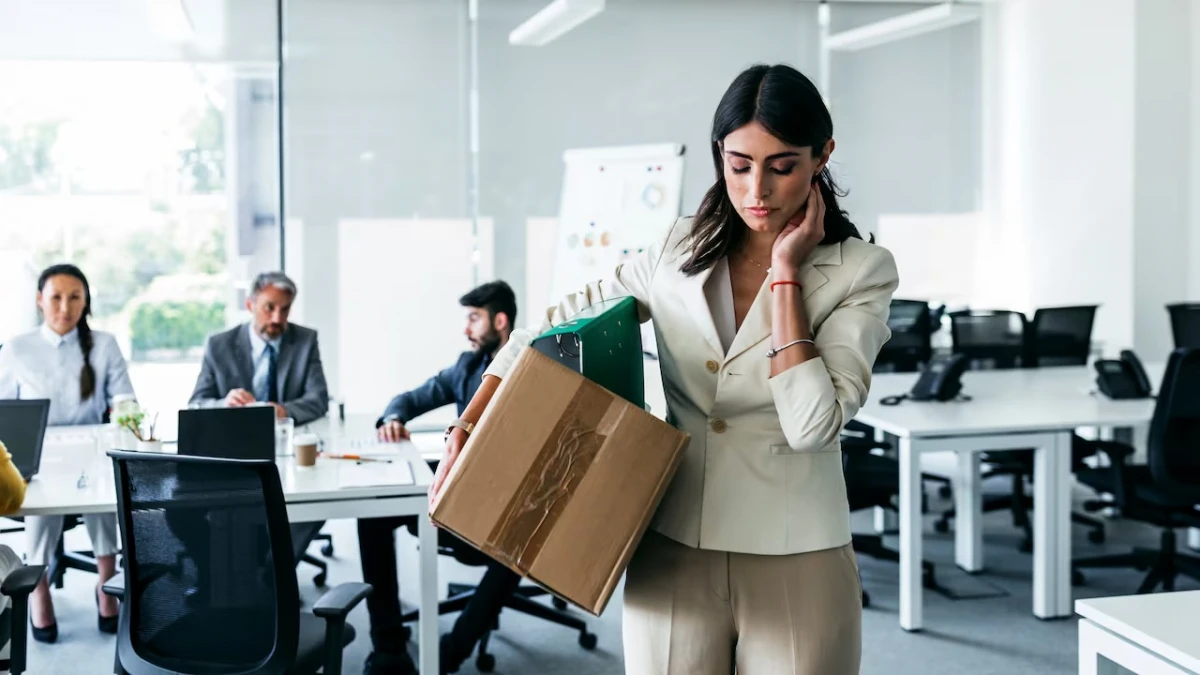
(80, 371)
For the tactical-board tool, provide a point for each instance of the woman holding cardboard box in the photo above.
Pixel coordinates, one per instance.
(769, 310)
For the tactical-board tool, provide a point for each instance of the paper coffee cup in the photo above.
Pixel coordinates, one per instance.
(306, 449)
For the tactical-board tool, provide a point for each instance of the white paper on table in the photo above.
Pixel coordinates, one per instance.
(373, 474)
(364, 447)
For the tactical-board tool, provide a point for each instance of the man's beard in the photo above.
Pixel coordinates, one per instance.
(489, 342)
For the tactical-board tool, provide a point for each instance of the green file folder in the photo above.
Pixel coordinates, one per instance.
(604, 344)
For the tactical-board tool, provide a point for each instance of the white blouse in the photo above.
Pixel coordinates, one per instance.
(44, 364)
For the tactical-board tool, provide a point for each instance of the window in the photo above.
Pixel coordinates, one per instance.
(159, 181)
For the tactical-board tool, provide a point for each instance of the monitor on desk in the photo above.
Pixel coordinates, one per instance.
(229, 433)
(23, 430)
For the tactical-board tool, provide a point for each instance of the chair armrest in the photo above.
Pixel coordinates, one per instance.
(333, 607)
(852, 443)
(18, 585)
(22, 580)
(1117, 452)
(115, 587)
(338, 602)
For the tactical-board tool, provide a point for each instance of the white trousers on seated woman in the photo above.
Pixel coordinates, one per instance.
(42, 533)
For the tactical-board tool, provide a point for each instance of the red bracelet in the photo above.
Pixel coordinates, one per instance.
(784, 283)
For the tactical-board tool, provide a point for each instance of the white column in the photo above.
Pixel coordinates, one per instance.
(1194, 256)
(1050, 103)
(1162, 166)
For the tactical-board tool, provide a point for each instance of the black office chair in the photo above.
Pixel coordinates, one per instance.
(910, 346)
(209, 582)
(990, 339)
(522, 600)
(874, 480)
(1166, 491)
(303, 535)
(1060, 336)
(16, 587)
(1185, 324)
(993, 340)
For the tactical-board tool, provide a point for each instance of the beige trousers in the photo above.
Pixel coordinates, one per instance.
(696, 612)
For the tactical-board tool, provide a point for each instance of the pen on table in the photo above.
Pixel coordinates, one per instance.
(359, 458)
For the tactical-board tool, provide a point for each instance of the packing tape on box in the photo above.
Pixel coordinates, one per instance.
(561, 464)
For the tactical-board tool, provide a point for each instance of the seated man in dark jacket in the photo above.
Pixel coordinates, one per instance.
(491, 311)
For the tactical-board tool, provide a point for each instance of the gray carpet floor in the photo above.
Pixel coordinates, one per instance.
(991, 631)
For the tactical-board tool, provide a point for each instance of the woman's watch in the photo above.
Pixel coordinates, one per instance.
(460, 424)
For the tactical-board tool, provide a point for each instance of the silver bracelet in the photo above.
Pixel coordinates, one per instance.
(771, 353)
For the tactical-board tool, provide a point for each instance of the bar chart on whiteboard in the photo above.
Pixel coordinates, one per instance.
(616, 203)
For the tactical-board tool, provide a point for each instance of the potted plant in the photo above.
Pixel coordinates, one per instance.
(146, 441)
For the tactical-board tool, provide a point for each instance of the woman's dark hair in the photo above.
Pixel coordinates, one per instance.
(87, 376)
(789, 106)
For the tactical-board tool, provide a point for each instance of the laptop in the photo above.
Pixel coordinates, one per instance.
(228, 433)
(23, 429)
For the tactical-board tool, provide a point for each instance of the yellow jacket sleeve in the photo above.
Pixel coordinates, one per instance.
(12, 485)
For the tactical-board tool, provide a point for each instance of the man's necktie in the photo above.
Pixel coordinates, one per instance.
(272, 385)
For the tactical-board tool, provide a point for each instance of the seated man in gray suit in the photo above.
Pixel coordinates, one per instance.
(266, 359)
(270, 360)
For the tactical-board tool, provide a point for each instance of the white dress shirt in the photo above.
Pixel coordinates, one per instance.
(262, 364)
(44, 364)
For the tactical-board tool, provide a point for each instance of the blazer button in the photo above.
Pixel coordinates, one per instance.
(712, 366)
(719, 426)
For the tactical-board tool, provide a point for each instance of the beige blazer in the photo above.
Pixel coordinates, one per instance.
(763, 471)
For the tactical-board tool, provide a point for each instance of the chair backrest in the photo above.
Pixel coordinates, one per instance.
(911, 343)
(1060, 336)
(1173, 448)
(209, 580)
(989, 338)
(1185, 324)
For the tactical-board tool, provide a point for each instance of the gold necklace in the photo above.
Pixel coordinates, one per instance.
(756, 263)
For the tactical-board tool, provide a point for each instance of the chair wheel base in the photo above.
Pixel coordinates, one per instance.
(559, 604)
(320, 579)
(587, 641)
(944, 492)
(485, 663)
(327, 550)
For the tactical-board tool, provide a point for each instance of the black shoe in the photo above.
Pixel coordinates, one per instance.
(49, 634)
(389, 663)
(450, 658)
(106, 624)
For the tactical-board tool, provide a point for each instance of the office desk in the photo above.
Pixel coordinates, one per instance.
(1010, 410)
(72, 454)
(1152, 634)
(360, 428)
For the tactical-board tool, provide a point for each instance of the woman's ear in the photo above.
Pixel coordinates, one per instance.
(823, 159)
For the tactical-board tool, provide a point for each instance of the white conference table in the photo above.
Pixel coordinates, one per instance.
(1152, 634)
(76, 477)
(1009, 410)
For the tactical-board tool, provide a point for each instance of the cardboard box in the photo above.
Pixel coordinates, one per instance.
(559, 480)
